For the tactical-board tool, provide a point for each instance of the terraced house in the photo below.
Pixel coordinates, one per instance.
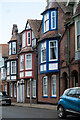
(26, 85)
(70, 49)
(12, 62)
(55, 48)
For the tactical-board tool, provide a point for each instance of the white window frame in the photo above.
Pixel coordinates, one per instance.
(28, 68)
(46, 22)
(21, 62)
(28, 88)
(45, 85)
(34, 88)
(8, 68)
(15, 90)
(14, 67)
(10, 48)
(11, 90)
(28, 38)
(78, 35)
(53, 83)
(43, 48)
(76, 42)
(53, 17)
(24, 39)
(56, 50)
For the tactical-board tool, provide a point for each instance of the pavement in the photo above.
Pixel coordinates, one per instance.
(42, 106)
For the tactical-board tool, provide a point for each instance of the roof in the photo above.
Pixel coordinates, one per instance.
(62, 5)
(35, 25)
(4, 50)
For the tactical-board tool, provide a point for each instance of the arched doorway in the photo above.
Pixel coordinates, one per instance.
(74, 78)
(65, 80)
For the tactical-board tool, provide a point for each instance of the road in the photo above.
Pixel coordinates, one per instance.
(25, 112)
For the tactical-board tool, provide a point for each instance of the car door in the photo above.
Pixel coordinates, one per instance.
(72, 101)
(78, 98)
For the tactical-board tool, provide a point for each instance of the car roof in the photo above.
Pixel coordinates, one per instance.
(73, 88)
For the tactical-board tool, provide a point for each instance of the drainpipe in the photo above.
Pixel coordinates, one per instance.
(37, 74)
(69, 55)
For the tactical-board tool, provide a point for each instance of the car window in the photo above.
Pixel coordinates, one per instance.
(72, 93)
(77, 92)
(66, 91)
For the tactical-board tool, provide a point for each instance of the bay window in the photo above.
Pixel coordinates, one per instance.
(43, 52)
(45, 86)
(53, 50)
(28, 38)
(13, 67)
(34, 88)
(46, 22)
(24, 39)
(28, 61)
(78, 35)
(53, 85)
(21, 62)
(50, 20)
(28, 88)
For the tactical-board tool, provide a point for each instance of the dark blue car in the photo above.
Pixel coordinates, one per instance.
(69, 102)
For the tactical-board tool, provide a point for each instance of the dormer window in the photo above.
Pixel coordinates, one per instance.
(49, 20)
(24, 39)
(28, 38)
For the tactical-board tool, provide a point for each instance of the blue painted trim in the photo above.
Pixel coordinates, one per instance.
(53, 96)
(49, 11)
(47, 57)
(44, 96)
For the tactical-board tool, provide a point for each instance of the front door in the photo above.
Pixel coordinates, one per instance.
(20, 91)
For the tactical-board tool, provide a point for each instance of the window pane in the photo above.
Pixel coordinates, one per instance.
(53, 50)
(13, 67)
(28, 88)
(24, 39)
(53, 84)
(28, 61)
(46, 22)
(34, 88)
(43, 52)
(9, 48)
(13, 47)
(53, 19)
(21, 62)
(45, 86)
(78, 42)
(29, 39)
(78, 27)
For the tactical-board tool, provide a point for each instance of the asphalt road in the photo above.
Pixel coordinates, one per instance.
(24, 112)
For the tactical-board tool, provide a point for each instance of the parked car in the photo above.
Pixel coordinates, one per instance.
(4, 98)
(69, 102)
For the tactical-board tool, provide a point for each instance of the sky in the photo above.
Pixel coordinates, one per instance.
(17, 12)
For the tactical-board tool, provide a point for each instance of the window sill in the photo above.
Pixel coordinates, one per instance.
(44, 96)
(53, 96)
